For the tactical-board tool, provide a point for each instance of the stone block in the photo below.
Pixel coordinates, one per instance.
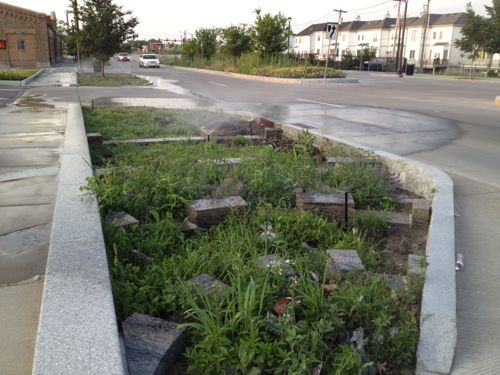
(94, 138)
(332, 205)
(139, 258)
(415, 264)
(259, 121)
(396, 220)
(339, 160)
(343, 261)
(420, 212)
(210, 284)
(395, 282)
(121, 219)
(211, 211)
(188, 227)
(152, 345)
(274, 262)
(273, 134)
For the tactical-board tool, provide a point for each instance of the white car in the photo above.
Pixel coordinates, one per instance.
(122, 56)
(149, 61)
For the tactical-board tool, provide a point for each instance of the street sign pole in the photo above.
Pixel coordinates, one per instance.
(330, 31)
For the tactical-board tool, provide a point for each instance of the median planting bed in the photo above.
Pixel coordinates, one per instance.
(245, 246)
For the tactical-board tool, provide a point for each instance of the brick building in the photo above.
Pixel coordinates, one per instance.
(27, 38)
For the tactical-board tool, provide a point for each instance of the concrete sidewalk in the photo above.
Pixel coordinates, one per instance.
(31, 136)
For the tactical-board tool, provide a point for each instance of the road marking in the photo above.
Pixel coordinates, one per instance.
(218, 83)
(323, 103)
(11, 90)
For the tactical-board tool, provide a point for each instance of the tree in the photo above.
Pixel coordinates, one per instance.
(190, 49)
(474, 37)
(270, 33)
(493, 29)
(237, 40)
(105, 28)
(208, 42)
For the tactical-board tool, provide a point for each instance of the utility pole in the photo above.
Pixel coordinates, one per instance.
(426, 26)
(400, 71)
(398, 33)
(339, 11)
(289, 36)
(76, 17)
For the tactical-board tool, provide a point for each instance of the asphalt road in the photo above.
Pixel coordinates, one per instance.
(447, 122)
(8, 94)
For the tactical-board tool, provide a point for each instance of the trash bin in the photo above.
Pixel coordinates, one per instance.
(410, 69)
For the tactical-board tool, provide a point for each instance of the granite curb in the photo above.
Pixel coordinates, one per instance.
(24, 82)
(296, 81)
(438, 325)
(77, 331)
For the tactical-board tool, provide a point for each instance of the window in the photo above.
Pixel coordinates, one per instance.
(445, 55)
(317, 51)
(20, 45)
(359, 38)
(412, 54)
(319, 37)
(434, 35)
(363, 37)
(414, 35)
(375, 37)
(440, 35)
(343, 37)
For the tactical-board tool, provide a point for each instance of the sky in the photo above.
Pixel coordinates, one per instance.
(170, 19)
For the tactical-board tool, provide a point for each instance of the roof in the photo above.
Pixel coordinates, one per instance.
(387, 23)
(317, 27)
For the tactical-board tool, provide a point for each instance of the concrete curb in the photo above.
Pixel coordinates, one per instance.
(24, 82)
(296, 81)
(27, 81)
(77, 332)
(438, 326)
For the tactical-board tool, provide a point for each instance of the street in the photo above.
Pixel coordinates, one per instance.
(447, 122)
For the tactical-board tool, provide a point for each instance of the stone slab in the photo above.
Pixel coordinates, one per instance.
(152, 344)
(273, 261)
(343, 261)
(337, 160)
(395, 219)
(188, 227)
(94, 138)
(15, 218)
(121, 219)
(146, 141)
(395, 282)
(415, 264)
(139, 258)
(273, 134)
(19, 311)
(210, 284)
(421, 209)
(331, 205)
(211, 211)
(29, 157)
(29, 191)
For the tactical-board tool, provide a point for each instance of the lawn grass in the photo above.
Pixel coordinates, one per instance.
(144, 122)
(110, 79)
(235, 330)
(16, 75)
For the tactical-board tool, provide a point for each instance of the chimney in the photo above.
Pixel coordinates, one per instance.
(358, 18)
(468, 6)
(388, 14)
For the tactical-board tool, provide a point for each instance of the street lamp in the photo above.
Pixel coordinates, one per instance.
(289, 35)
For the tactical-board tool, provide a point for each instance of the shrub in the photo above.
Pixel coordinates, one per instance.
(297, 72)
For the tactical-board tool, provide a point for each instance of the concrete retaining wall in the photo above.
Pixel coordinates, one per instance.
(77, 332)
(438, 328)
(24, 82)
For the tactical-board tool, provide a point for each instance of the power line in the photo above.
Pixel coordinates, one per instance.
(372, 6)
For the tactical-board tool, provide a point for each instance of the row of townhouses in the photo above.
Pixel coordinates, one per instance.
(435, 47)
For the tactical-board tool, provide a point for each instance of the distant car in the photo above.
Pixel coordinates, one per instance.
(122, 56)
(149, 61)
